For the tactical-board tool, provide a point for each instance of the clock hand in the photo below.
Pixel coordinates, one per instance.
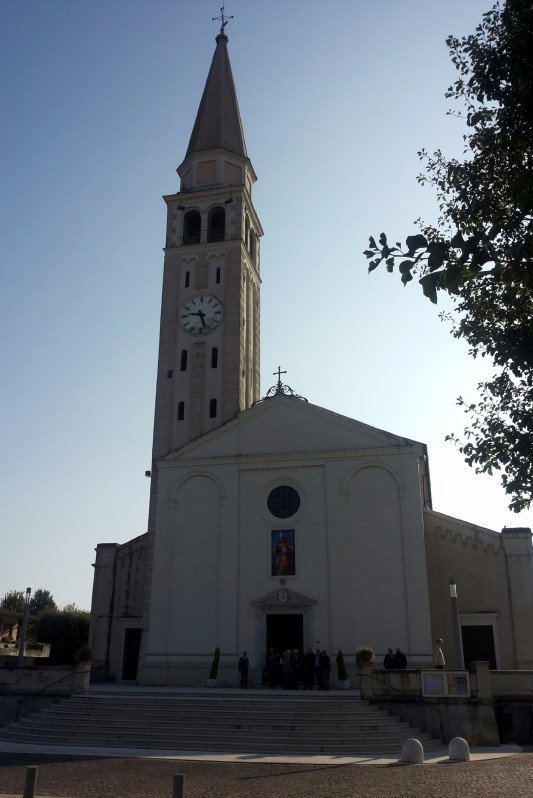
(202, 317)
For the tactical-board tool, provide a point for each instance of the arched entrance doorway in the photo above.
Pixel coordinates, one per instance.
(284, 619)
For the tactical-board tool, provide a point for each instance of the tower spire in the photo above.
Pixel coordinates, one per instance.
(218, 121)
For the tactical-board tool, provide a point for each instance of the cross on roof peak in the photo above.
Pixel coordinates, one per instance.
(223, 20)
(280, 388)
(278, 373)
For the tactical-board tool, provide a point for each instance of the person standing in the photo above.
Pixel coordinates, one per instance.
(318, 672)
(309, 669)
(389, 660)
(325, 669)
(399, 660)
(438, 655)
(287, 669)
(244, 665)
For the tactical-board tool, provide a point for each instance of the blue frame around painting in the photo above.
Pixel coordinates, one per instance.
(283, 552)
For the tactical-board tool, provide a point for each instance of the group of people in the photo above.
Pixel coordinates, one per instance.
(396, 661)
(291, 669)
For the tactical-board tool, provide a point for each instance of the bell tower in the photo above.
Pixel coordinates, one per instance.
(208, 367)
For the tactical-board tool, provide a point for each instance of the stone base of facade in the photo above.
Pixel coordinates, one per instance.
(189, 674)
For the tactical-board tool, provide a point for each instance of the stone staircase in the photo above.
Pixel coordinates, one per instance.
(262, 723)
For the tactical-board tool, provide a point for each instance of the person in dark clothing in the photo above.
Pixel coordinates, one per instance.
(388, 662)
(325, 669)
(287, 669)
(243, 666)
(399, 660)
(318, 672)
(309, 669)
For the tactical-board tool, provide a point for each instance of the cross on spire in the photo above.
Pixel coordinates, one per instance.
(223, 19)
(279, 372)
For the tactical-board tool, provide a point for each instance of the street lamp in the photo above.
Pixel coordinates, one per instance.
(22, 638)
(456, 624)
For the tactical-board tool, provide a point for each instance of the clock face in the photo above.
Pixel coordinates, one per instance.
(201, 314)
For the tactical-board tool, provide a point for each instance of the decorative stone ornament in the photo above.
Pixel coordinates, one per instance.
(283, 596)
(413, 751)
(458, 750)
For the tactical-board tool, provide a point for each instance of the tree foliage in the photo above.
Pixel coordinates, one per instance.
(40, 601)
(66, 630)
(13, 600)
(481, 250)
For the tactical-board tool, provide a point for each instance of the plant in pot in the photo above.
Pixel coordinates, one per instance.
(342, 673)
(213, 673)
(364, 656)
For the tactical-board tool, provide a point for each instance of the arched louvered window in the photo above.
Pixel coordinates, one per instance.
(192, 225)
(216, 224)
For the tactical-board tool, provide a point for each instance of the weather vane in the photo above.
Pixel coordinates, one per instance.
(223, 19)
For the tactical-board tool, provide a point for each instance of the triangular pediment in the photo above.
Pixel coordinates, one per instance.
(281, 598)
(283, 425)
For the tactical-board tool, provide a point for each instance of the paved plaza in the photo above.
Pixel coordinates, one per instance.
(118, 777)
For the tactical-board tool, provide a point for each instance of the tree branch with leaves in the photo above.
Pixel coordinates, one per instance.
(480, 252)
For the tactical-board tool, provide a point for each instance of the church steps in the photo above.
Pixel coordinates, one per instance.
(264, 744)
(211, 723)
(332, 729)
(206, 713)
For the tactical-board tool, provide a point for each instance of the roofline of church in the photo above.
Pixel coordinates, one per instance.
(445, 517)
(406, 444)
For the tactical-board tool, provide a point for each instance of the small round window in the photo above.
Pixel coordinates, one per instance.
(283, 501)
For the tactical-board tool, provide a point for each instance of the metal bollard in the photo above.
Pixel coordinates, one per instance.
(177, 785)
(30, 781)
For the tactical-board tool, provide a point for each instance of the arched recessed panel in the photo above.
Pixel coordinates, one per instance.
(377, 557)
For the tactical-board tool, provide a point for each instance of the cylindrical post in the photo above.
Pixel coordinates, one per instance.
(23, 628)
(456, 624)
(177, 785)
(30, 782)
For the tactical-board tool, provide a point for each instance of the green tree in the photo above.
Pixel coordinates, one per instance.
(481, 250)
(40, 601)
(67, 630)
(13, 600)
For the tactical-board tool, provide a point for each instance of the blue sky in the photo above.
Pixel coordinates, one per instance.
(98, 102)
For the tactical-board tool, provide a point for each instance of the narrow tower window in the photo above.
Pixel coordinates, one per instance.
(183, 360)
(252, 244)
(216, 224)
(192, 224)
(214, 357)
(181, 411)
(218, 274)
(187, 279)
(213, 408)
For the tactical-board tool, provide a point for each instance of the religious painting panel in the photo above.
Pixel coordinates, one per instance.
(283, 552)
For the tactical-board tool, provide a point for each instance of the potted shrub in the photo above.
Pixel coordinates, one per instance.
(364, 656)
(342, 673)
(213, 673)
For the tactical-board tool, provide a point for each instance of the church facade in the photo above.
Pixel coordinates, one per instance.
(274, 522)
